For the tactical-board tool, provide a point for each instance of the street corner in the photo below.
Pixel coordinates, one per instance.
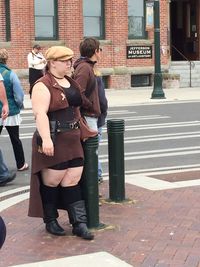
(181, 176)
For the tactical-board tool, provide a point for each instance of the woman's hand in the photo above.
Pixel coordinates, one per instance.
(47, 147)
(5, 111)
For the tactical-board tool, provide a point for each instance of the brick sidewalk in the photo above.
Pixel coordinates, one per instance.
(162, 228)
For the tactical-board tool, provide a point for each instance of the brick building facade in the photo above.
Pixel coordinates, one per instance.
(18, 35)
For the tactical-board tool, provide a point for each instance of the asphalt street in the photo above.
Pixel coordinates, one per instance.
(158, 137)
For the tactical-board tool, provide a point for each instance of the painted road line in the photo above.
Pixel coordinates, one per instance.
(139, 118)
(27, 118)
(154, 102)
(159, 155)
(15, 191)
(159, 126)
(157, 184)
(13, 201)
(97, 259)
(162, 125)
(136, 139)
(127, 140)
(118, 112)
(150, 137)
(151, 152)
(131, 141)
(163, 170)
(167, 123)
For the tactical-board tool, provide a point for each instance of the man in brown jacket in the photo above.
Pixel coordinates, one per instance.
(83, 73)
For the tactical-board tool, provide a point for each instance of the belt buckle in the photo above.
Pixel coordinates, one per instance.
(76, 125)
(71, 125)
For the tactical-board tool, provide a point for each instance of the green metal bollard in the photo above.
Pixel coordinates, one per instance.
(115, 129)
(157, 90)
(89, 181)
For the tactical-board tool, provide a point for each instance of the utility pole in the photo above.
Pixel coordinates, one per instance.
(157, 87)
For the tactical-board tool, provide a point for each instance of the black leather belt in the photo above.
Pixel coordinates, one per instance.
(64, 127)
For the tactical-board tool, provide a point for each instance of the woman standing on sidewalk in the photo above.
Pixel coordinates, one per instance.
(57, 154)
(15, 96)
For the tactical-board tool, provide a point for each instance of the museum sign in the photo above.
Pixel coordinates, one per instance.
(139, 52)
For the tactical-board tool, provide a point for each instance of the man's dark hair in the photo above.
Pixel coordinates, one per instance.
(88, 47)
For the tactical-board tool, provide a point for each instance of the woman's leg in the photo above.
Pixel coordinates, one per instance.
(73, 203)
(13, 132)
(49, 191)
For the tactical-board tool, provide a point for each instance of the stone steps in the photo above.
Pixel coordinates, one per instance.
(183, 68)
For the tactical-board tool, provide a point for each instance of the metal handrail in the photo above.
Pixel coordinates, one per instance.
(191, 63)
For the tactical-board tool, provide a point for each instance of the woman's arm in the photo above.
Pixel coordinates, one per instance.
(33, 60)
(3, 99)
(40, 104)
(17, 89)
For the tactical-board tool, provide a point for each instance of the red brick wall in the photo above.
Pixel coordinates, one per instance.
(71, 33)
(164, 27)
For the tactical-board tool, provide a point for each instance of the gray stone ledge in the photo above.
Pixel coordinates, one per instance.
(140, 42)
(118, 70)
(107, 71)
(5, 44)
(48, 43)
(105, 42)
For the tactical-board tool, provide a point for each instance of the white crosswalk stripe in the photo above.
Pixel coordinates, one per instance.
(138, 130)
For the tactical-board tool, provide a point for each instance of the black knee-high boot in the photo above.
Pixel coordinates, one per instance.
(49, 197)
(73, 203)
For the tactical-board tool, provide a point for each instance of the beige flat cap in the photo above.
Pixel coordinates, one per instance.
(59, 53)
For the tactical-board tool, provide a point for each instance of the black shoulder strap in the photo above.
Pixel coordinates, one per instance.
(33, 54)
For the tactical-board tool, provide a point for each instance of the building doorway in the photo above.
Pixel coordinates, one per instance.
(184, 25)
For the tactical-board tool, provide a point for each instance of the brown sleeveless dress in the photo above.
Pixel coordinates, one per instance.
(67, 144)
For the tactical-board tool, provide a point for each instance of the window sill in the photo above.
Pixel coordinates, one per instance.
(139, 42)
(48, 42)
(5, 44)
(105, 42)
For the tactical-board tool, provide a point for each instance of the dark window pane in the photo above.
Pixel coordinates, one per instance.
(140, 80)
